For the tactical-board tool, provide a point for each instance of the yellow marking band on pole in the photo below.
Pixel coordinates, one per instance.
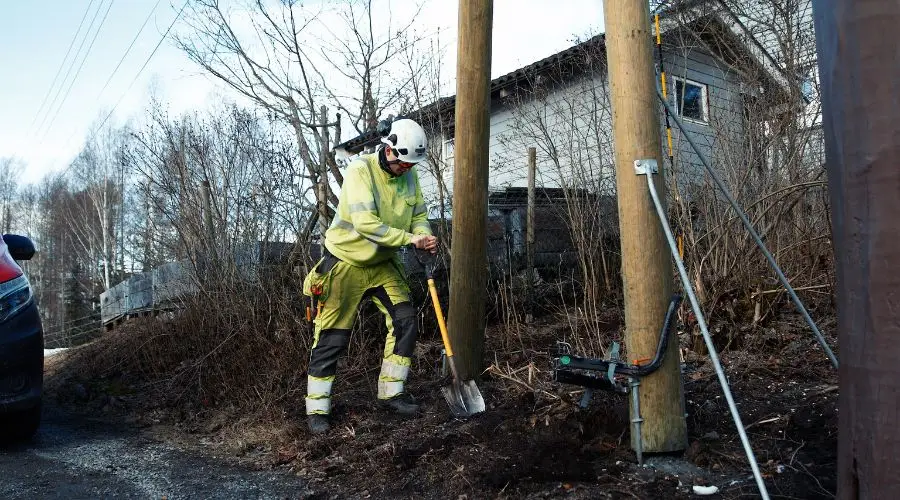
(669, 139)
(662, 76)
(657, 30)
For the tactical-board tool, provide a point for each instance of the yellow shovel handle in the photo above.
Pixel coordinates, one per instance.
(440, 316)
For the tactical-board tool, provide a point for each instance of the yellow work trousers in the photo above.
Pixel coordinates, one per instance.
(348, 286)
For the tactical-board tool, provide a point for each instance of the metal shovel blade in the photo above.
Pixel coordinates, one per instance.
(464, 399)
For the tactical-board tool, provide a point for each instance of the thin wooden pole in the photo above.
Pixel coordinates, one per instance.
(646, 264)
(470, 186)
(859, 69)
(529, 227)
(207, 216)
(324, 219)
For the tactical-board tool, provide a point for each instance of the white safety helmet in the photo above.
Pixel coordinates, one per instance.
(407, 139)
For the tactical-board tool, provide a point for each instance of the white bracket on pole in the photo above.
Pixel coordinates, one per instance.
(644, 167)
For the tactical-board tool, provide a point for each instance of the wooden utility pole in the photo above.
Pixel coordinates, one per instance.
(859, 70)
(209, 257)
(646, 264)
(208, 218)
(324, 219)
(470, 186)
(529, 228)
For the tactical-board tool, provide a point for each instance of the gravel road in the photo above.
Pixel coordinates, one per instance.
(71, 457)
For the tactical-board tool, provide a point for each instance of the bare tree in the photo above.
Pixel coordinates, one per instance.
(266, 63)
(10, 170)
(370, 60)
(245, 163)
(45, 210)
(273, 55)
(98, 173)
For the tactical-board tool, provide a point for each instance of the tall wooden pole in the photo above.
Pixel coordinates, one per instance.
(207, 216)
(646, 264)
(324, 219)
(529, 227)
(470, 186)
(859, 70)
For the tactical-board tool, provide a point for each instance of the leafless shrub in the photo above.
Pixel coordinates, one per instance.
(566, 118)
(246, 354)
(760, 136)
(767, 148)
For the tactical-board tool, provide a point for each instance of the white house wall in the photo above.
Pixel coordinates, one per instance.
(564, 127)
(770, 30)
(568, 127)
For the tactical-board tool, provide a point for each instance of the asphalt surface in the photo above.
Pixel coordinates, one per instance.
(72, 457)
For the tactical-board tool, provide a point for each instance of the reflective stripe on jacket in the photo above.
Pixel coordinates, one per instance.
(377, 213)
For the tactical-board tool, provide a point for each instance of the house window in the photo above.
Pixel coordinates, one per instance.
(448, 153)
(809, 79)
(691, 100)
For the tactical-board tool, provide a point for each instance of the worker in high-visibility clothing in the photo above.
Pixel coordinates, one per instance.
(380, 210)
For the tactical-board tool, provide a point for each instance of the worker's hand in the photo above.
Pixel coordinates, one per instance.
(424, 242)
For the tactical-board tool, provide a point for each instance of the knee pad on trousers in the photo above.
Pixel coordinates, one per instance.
(324, 357)
(405, 329)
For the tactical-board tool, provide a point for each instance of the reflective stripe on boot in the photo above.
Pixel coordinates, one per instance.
(318, 395)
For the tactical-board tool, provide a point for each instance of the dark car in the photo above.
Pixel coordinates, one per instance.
(21, 344)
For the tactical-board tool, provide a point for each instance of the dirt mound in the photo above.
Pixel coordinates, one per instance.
(533, 442)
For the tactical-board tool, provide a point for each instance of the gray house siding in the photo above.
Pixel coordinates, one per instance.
(568, 124)
(722, 137)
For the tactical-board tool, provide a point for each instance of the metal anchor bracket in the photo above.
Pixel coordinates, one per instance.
(646, 166)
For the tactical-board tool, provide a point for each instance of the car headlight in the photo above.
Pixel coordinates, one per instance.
(15, 294)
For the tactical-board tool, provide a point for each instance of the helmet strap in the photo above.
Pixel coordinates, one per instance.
(383, 161)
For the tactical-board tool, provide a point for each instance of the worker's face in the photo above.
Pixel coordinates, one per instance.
(397, 167)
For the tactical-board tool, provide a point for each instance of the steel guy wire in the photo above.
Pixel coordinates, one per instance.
(698, 312)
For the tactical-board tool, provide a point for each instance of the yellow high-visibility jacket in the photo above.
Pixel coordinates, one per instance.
(377, 213)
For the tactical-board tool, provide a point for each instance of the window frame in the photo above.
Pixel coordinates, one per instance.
(448, 150)
(704, 97)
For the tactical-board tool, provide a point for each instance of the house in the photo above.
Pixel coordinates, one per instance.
(786, 32)
(718, 78)
(560, 105)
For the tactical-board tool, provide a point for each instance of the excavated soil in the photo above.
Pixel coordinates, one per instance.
(534, 441)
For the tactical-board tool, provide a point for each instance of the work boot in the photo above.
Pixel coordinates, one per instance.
(402, 404)
(318, 424)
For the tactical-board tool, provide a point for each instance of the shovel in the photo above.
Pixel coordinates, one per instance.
(464, 398)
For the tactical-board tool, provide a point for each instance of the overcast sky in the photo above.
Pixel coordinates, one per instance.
(44, 123)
